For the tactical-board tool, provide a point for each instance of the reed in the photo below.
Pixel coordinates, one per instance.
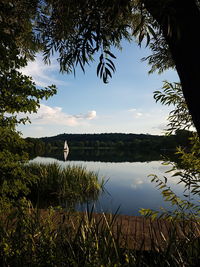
(65, 186)
(33, 237)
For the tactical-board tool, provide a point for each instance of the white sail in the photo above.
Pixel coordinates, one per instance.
(66, 148)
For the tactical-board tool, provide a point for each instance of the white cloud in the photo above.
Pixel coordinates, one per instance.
(135, 113)
(137, 183)
(41, 73)
(47, 115)
(91, 115)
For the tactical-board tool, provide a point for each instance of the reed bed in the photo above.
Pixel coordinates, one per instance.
(65, 186)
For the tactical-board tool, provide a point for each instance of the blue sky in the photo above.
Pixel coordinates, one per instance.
(84, 104)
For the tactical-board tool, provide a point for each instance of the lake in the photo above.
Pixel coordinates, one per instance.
(128, 186)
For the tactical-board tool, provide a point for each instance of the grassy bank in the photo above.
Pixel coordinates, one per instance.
(65, 186)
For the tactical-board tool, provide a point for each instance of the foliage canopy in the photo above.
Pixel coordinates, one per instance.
(18, 93)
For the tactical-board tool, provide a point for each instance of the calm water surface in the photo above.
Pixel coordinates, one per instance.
(128, 186)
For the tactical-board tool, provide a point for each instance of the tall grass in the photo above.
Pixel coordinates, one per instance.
(65, 186)
(32, 237)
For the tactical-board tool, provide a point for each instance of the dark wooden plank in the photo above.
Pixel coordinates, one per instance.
(132, 228)
(139, 233)
(164, 233)
(147, 233)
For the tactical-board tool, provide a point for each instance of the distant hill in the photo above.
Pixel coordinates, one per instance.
(104, 140)
(102, 137)
(119, 141)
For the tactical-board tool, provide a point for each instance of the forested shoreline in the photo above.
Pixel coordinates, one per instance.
(108, 141)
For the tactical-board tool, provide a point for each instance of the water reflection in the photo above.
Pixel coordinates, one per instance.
(65, 155)
(103, 155)
(128, 186)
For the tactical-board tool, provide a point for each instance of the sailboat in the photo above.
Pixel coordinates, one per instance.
(66, 150)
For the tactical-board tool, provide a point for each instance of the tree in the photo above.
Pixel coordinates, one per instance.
(179, 117)
(179, 22)
(76, 30)
(18, 93)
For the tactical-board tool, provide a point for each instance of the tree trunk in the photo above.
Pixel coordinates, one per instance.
(180, 22)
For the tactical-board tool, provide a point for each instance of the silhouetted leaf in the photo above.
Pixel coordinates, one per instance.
(111, 67)
(109, 53)
(98, 68)
(110, 61)
(108, 73)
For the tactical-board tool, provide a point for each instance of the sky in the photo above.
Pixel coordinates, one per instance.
(84, 104)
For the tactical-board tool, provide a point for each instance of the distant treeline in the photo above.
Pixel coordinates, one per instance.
(117, 141)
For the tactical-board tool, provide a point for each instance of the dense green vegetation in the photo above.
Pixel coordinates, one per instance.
(187, 170)
(107, 141)
(63, 186)
(18, 93)
(32, 237)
